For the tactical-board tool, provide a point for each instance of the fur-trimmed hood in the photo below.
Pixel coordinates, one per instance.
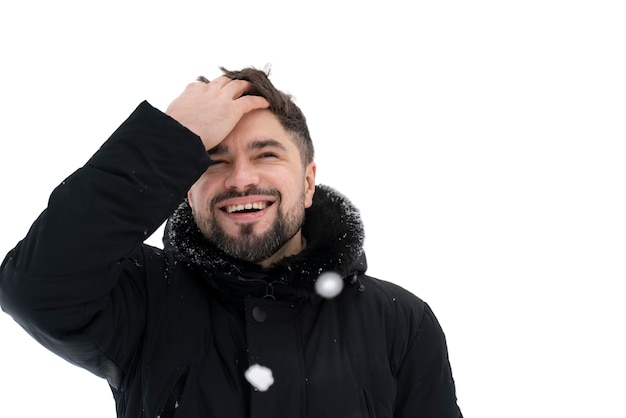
(332, 228)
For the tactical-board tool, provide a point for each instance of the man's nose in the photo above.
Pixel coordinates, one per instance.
(242, 176)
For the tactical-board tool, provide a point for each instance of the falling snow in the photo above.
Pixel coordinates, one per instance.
(329, 284)
(260, 377)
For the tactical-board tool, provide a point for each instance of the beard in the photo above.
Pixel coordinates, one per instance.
(248, 245)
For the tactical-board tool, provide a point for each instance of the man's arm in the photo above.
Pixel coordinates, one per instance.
(76, 281)
(425, 384)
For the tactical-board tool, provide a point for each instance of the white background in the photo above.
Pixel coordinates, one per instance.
(482, 140)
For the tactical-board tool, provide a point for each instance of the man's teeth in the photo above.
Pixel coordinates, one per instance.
(247, 206)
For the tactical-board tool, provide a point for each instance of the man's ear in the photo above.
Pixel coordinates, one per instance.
(189, 198)
(309, 183)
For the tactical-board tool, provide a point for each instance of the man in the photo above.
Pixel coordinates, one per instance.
(226, 320)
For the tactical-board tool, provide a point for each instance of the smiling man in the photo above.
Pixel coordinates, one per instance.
(250, 202)
(225, 321)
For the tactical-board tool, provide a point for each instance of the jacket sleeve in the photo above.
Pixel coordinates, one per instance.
(425, 385)
(77, 281)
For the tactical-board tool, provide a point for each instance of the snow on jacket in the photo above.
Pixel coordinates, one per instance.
(174, 330)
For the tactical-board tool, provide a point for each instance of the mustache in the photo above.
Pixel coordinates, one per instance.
(253, 190)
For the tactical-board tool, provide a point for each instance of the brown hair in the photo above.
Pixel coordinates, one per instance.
(281, 105)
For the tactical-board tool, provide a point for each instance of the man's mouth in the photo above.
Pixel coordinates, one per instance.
(246, 207)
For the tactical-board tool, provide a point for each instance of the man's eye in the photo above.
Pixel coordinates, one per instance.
(217, 162)
(268, 155)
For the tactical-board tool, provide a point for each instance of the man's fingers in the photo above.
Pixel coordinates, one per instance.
(220, 81)
(248, 103)
(233, 89)
(212, 109)
(236, 88)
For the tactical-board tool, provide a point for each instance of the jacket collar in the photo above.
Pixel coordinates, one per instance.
(332, 228)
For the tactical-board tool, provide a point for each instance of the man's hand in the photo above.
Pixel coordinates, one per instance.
(211, 110)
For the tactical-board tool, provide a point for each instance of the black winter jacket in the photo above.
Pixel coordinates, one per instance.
(174, 330)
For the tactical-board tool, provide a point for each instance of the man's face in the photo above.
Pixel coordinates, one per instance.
(250, 202)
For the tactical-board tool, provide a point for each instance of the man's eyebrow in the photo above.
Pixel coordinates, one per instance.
(220, 149)
(266, 143)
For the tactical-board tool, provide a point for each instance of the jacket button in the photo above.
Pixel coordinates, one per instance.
(259, 314)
